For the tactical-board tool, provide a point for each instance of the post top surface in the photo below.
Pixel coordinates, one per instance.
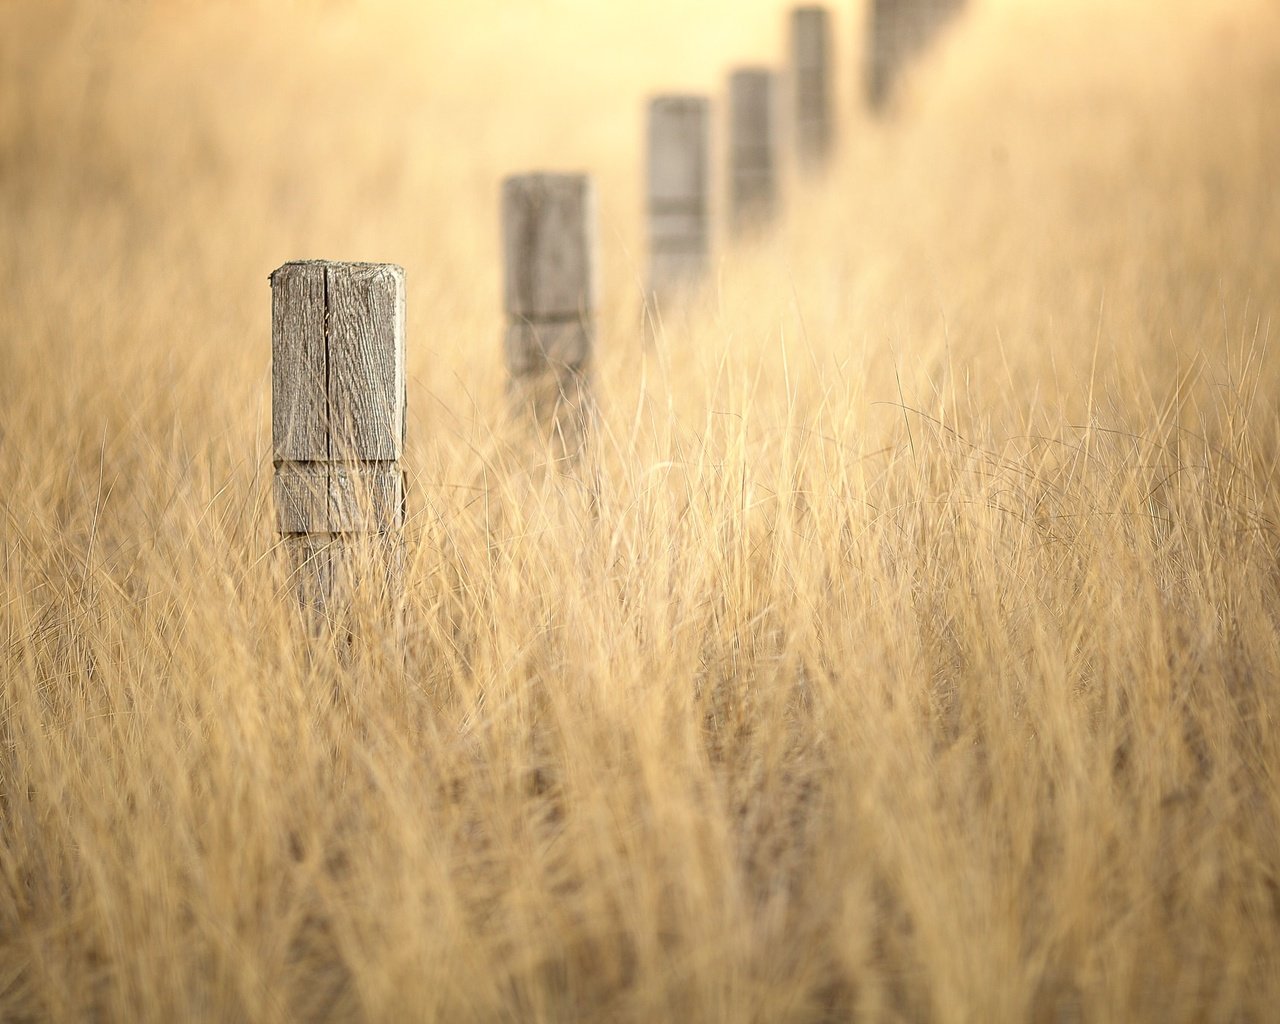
(546, 177)
(677, 99)
(750, 73)
(394, 268)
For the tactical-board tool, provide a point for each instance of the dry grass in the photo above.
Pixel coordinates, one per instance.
(906, 650)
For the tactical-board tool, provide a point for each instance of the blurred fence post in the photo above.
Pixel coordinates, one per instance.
(811, 85)
(551, 294)
(883, 50)
(897, 31)
(753, 162)
(337, 427)
(679, 200)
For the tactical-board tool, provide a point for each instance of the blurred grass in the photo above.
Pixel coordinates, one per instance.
(906, 650)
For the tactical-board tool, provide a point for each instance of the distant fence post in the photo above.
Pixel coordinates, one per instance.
(897, 31)
(882, 54)
(753, 162)
(551, 292)
(337, 425)
(679, 187)
(811, 85)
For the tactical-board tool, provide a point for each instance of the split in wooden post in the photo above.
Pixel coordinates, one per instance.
(338, 421)
(679, 200)
(811, 85)
(753, 162)
(551, 295)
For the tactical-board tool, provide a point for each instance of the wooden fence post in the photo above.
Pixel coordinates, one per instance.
(679, 199)
(811, 85)
(897, 31)
(882, 56)
(337, 425)
(552, 291)
(753, 163)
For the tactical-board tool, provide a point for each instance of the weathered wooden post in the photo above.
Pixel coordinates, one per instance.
(551, 296)
(883, 50)
(897, 31)
(753, 162)
(337, 425)
(811, 85)
(679, 192)
(679, 187)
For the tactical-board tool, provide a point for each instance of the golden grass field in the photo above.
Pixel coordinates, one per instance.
(905, 648)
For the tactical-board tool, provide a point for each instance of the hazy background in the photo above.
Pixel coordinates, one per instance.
(160, 159)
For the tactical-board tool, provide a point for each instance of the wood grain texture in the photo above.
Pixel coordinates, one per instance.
(331, 572)
(338, 415)
(753, 170)
(811, 84)
(367, 498)
(366, 382)
(550, 246)
(302, 497)
(322, 497)
(299, 364)
(309, 564)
